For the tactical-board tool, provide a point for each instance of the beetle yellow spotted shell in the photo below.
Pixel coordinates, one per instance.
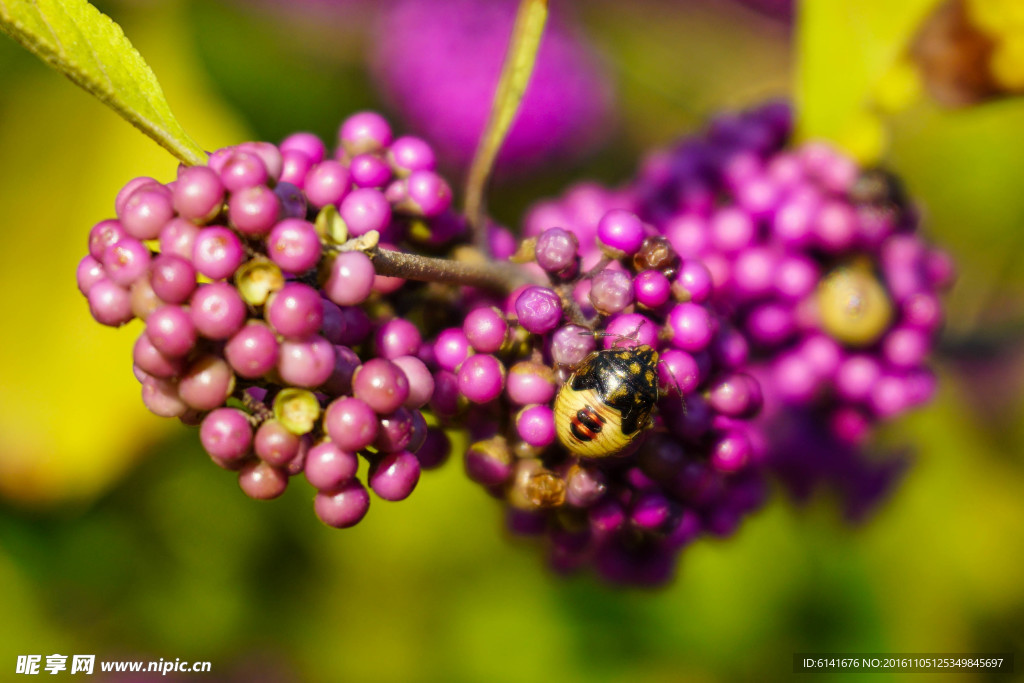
(607, 401)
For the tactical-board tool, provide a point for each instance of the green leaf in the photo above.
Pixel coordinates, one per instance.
(515, 76)
(89, 48)
(845, 48)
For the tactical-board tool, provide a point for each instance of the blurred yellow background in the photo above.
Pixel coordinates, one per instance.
(118, 537)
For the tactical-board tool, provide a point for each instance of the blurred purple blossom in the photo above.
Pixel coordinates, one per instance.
(438, 63)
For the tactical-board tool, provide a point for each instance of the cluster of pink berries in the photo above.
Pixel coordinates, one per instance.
(261, 319)
(728, 267)
(821, 267)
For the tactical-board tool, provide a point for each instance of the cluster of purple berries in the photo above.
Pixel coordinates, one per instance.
(626, 513)
(731, 273)
(263, 315)
(820, 266)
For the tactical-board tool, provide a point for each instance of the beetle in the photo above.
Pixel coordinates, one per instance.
(607, 401)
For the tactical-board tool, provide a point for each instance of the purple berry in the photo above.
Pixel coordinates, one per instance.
(89, 272)
(344, 506)
(571, 344)
(294, 245)
(126, 261)
(149, 359)
(217, 310)
(381, 385)
(253, 351)
(307, 144)
(173, 278)
(485, 329)
(170, 329)
(369, 170)
(481, 378)
(407, 154)
(539, 309)
(394, 476)
(329, 467)
(226, 434)
(365, 209)
(275, 445)
(421, 382)
(536, 425)
(531, 382)
(109, 303)
(261, 481)
(198, 193)
(254, 210)
(306, 363)
(104, 234)
(451, 348)
(621, 232)
(146, 211)
(364, 132)
(179, 237)
(611, 291)
(327, 183)
(217, 253)
(206, 383)
(242, 170)
(350, 280)
(693, 283)
(397, 337)
(160, 396)
(296, 311)
(350, 423)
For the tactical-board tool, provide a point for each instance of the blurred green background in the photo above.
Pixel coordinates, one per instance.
(118, 537)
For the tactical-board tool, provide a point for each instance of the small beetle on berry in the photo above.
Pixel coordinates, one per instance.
(607, 401)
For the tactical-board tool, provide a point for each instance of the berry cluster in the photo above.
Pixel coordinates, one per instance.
(820, 266)
(618, 496)
(264, 317)
(611, 391)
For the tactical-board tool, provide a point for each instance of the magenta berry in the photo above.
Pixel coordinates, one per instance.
(296, 311)
(171, 331)
(307, 144)
(217, 310)
(381, 385)
(146, 211)
(294, 245)
(274, 444)
(395, 476)
(254, 210)
(217, 253)
(262, 481)
(365, 209)
(485, 329)
(407, 154)
(327, 183)
(226, 434)
(125, 261)
(351, 423)
(344, 506)
(328, 467)
(364, 132)
(206, 383)
(481, 378)
(536, 425)
(173, 278)
(350, 280)
(621, 231)
(306, 363)
(109, 303)
(253, 350)
(539, 309)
